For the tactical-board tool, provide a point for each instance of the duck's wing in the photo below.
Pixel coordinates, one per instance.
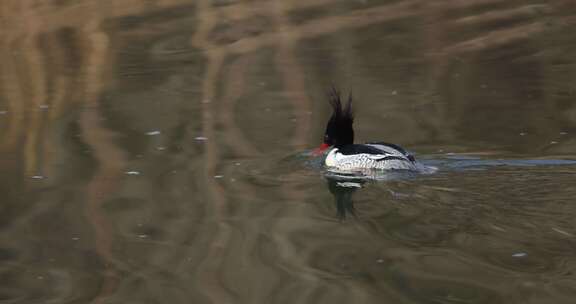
(391, 150)
(376, 151)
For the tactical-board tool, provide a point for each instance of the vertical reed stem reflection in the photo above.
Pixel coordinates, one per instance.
(234, 89)
(209, 280)
(292, 74)
(109, 157)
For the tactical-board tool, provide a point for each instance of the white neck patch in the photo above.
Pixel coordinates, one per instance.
(331, 158)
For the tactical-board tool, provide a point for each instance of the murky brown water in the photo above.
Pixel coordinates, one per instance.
(151, 151)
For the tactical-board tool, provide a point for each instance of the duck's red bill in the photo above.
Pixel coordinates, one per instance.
(318, 151)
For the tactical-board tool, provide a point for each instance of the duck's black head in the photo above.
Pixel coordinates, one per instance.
(339, 131)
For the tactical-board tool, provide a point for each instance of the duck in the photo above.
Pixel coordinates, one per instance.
(342, 154)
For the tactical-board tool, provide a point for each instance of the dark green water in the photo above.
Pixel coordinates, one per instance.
(155, 151)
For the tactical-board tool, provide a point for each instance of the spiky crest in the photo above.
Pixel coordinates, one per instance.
(339, 131)
(340, 112)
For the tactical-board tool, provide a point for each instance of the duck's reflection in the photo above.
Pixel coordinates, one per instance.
(342, 188)
(342, 185)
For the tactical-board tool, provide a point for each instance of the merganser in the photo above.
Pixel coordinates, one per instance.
(344, 155)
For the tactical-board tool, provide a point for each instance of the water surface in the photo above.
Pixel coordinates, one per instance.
(155, 151)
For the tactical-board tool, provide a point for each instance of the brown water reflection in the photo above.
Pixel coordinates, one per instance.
(150, 151)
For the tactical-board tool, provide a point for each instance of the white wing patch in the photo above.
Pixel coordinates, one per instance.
(375, 156)
(388, 150)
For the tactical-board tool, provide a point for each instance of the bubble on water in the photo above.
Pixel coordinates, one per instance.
(132, 172)
(522, 133)
(380, 261)
(200, 138)
(38, 177)
(553, 142)
(218, 176)
(519, 254)
(152, 133)
(563, 133)
(43, 107)
(3, 112)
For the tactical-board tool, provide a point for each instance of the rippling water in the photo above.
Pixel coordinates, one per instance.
(155, 151)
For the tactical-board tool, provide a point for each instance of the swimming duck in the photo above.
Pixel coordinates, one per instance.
(344, 155)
